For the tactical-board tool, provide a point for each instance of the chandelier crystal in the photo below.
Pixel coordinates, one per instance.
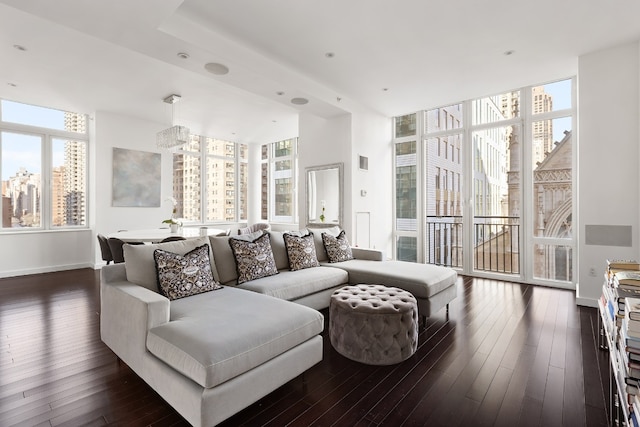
(176, 136)
(172, 138)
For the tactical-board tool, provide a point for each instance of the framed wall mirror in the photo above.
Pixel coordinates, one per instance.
(324, 194)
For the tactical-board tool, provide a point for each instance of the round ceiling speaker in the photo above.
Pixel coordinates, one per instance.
(299, 101)
(216, 68)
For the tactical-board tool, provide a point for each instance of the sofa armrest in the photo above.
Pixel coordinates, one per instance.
(113, 273)
(127, 312)
(367, 254)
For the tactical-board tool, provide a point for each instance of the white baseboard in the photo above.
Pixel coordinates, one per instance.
(587, 302)
(48, 269)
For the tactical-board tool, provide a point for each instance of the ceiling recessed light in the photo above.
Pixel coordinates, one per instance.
(299, 101)
(385, 89)
(216, 68)
(183, 55)
(12, 84)
(329, 54)
(19, 47)
(509, 52)
(279, 93)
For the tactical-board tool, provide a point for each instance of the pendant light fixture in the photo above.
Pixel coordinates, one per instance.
(175, 136)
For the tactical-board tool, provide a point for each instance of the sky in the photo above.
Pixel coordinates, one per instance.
(561, 93)
(18, 149)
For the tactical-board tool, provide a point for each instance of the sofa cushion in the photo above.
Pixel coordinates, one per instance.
(301, 251)
(279, 249)
(181, 276)
(317, 239)
(224, 260)
(291, 285)
(254, 259)
(337, 247)
(422, 280)
(141, 266)
(205, 341)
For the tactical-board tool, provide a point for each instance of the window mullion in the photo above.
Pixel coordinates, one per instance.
(47, 171)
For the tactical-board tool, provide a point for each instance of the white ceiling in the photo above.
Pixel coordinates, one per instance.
(121, 55)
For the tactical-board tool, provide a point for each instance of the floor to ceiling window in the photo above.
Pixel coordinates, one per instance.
(406, 188)
(491, 181)
(279, 165)
(210, 180)
(44, 155)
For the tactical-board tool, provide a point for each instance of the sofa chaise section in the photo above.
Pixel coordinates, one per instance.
(219, 335)
(433, 286)
(208, 355)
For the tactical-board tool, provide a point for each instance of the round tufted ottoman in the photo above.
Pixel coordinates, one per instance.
(373, 324)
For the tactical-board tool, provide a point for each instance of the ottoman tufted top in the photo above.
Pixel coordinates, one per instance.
(377, 299)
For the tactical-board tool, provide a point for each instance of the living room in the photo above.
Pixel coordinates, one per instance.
(333, 131)
(332, 128)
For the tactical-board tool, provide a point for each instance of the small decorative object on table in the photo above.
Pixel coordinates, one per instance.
(174, 223)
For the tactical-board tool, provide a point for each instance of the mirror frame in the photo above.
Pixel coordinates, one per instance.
(340, 167)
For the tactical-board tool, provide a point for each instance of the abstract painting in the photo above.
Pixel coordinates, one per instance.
(136, 178)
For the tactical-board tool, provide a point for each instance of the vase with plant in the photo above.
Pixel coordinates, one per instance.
(322, 213)
(174, 223)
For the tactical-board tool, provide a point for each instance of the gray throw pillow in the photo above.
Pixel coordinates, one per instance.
(301, 251)
(181, 276)
(338, 248)
(254, 259)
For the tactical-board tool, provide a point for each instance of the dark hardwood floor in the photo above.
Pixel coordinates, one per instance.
(506, 355)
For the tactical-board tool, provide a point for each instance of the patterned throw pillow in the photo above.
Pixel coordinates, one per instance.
(301, 251)
(337, 247)
(254, 259)
(181, 276)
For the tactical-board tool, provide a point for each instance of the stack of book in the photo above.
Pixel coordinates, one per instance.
(620, 315)
(629, 345)
(622, 281)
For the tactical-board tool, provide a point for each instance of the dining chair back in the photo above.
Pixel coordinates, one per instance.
(104, 248)
(117, 252)
(172, 239)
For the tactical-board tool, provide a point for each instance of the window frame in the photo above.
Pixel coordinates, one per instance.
(473, 123)
(47, 137)
(273, 174)
(204, 157)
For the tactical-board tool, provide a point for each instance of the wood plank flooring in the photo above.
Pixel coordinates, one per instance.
(506, 355)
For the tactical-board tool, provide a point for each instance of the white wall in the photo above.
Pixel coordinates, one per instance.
(41, 252)
(113, 130)
(372, 138)
(342, 139)
(321, 142)
(608, 157)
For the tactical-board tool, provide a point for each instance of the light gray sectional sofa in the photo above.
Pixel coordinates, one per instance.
(212, 354)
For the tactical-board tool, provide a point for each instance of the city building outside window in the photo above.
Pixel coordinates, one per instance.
(510, 156)
(279, 181)
(43, 168)
(210, 180)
